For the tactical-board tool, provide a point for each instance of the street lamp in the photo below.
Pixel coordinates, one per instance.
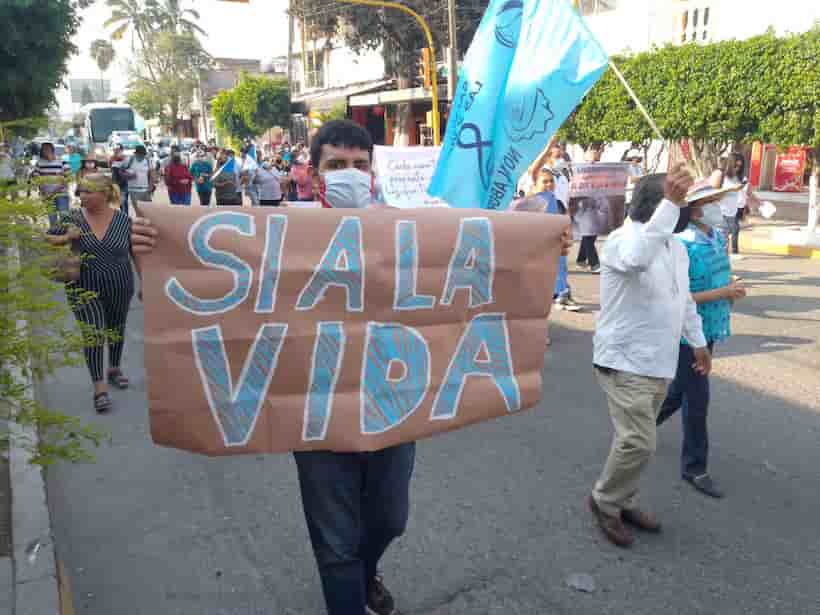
(431, 68)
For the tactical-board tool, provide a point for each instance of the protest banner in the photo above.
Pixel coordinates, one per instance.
(597, 197)
(403, 174)
(345, 330)
(529, 64)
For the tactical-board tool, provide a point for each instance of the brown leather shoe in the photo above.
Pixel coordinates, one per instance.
(642, 520)
(612, 527)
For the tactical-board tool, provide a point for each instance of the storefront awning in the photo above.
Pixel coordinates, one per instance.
(394, 97)
(326, 99)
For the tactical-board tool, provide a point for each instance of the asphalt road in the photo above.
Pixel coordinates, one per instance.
(498, 519)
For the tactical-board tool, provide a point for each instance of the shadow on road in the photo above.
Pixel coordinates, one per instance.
(498, 518)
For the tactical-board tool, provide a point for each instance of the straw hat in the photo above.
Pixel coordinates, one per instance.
(705, 190)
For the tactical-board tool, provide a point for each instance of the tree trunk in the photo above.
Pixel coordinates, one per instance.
(811, 226)
(401, 118)
(705, 156)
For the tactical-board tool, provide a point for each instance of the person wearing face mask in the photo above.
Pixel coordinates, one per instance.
(52, 176)
(226, 181)
(267, 184)
(201, 170)
(355, 504)
(542, 199)
(140, 175)
(646, 308)
(102, 236)
(179, 181)
(713, 290)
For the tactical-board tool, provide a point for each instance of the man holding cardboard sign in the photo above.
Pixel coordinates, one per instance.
(359, 332)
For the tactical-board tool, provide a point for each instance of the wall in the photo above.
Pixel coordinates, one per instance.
(342, 66)
(637, 25)
(345, 67)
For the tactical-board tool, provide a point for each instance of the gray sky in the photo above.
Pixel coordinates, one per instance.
(257, 30)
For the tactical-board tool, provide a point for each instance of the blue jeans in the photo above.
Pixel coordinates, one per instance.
(689, 392)
(561, 279)
(183, 198)
(60, 206)
(355, 505)
(124, 200)
(732, 227)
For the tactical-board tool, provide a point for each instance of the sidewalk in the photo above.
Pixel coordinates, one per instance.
(778, 237)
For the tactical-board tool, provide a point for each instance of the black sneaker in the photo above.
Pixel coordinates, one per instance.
(379, 600)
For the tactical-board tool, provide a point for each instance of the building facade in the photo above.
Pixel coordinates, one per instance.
(625, 26)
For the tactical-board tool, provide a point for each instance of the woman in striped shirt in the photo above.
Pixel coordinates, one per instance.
(52, 175)
(103, 236)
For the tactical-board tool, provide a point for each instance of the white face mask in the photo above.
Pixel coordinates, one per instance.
(348, 189)
(712, 216)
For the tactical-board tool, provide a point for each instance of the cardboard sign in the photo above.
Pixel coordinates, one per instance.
(597, 200)
(403, 174)
(348, 330)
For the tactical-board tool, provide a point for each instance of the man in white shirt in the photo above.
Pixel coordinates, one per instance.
(646, 308)
(140, 176)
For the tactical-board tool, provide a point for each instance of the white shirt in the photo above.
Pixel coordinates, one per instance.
(562, 189)
(731, 201)
(646, 306)
(140, 169)
(267, 182)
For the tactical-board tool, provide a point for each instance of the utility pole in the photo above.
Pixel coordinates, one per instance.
(452, 69)
(290, 47)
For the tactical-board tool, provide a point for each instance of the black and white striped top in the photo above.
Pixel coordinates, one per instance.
(56, 169)
(107, 260)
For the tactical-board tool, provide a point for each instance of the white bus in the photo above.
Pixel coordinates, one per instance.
(101, 119)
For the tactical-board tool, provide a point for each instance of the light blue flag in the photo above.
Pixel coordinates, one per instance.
(529, 65)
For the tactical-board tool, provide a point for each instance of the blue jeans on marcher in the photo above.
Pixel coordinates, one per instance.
(124, 200)
(182, 198)
(355, 505)
(689, 392)
(561, 279)
(60, 206)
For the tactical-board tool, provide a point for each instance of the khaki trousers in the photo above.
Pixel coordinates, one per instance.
(634, 404)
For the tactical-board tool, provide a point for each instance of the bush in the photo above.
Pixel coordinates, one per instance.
(37, 334)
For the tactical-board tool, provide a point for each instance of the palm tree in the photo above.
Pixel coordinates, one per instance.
(102, 51)
(171, 16)
(131, 15)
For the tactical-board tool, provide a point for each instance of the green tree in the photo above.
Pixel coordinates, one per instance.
(35, 44)
(263, 102)
(134, 15)
(102, 52)
(37, 333)
(793, 114)
(229, 119)
(252, 107)
(172, 17)
(165, 75)
(709, 96)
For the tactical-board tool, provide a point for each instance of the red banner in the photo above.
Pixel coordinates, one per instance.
(788, 170)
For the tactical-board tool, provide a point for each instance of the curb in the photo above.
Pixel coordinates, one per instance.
(767, 246)
(35, 587)
(35, 581)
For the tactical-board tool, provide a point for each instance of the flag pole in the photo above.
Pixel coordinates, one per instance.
(638, 103)
(641, 108)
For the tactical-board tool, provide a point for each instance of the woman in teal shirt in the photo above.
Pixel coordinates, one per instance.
(714, 291)
(202, 170)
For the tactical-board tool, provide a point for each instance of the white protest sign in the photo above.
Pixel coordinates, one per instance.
(403, 174)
